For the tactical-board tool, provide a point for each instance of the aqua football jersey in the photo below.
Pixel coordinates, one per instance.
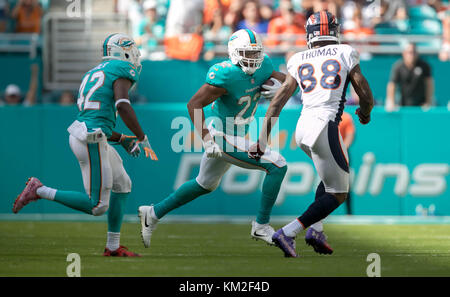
(237, 107)
(96, 95)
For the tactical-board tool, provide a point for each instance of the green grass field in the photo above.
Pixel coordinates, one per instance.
(41, 249)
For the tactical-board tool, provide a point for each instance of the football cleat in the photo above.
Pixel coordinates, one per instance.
(122, 251)
(28, 194)
(318, 240)
(285, 243)
(148, 224)
(262, 232)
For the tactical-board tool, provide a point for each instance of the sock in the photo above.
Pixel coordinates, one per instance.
(116, 210)
(319, 209)
(270, 190)
(76, 200)
(318, 226)
(153, 214)
(293, 228)
(184, 194)
(113, 241)
(46, 193)
(320, 190)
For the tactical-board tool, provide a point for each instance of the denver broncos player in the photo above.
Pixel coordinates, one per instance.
(103, 91)
(323, 72)
(233, 89)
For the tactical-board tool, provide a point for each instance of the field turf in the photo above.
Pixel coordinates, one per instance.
(41, 249)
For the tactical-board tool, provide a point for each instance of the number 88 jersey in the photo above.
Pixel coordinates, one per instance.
(322, 74)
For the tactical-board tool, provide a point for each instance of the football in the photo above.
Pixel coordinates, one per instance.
(268, 82)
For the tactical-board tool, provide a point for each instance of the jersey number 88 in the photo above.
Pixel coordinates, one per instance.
(330, 79)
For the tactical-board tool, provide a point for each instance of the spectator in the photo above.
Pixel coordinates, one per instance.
(234, 14)
(391, 11)
(252, 18)
(27, 14)
(183, 39)
(437, 5)
(283, 30)
(357, 30)
(413, 76)
(150, 30)
(66, 98)
(347, 131)
(4, 10)
(216, 34)
(328, 5)
(444, 54)
(184, 17)
(266, 9)
(13, 95)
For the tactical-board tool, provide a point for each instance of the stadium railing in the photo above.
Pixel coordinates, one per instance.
(19, 43)
(73, 44)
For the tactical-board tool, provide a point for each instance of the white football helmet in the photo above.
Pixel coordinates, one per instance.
(120, 46)
(245, 49)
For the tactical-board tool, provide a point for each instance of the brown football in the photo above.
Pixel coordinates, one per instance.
(268, 82)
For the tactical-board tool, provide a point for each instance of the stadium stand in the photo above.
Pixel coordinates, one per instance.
(68, 44)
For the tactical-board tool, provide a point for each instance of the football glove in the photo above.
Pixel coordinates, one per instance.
(256, 151)
(146, 147)
(128, 143)
(363, 119)
(212, 149)
(271, 90)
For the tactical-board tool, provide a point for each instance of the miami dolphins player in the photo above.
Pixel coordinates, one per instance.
(103, 91)
(233, 89)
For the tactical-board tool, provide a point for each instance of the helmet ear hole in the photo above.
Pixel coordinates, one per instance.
(127, 56)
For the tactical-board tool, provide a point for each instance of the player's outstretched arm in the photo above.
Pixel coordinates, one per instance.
(204, 96)
(362, 88)
(121, 87)
(276, 105)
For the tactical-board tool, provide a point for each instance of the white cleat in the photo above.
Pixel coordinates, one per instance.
(262, 232)
(148, 224)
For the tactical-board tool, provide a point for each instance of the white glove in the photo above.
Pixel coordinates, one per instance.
(271, 90)
(212, 149)
(146, 147)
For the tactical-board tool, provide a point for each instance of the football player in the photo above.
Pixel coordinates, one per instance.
(232, 89)
(103, 91)
(323, 72)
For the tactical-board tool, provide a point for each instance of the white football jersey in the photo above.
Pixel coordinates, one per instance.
(322, 74)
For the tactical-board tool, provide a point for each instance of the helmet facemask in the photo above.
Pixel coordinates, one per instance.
(246, 50)
(250, 60)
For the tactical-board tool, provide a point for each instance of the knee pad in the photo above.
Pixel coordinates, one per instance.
(122, 184)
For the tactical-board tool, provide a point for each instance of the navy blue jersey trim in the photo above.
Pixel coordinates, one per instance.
(335, 146)
(338, 117)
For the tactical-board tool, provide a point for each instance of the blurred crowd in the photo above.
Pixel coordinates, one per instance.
(188, 28)
(194, 29)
